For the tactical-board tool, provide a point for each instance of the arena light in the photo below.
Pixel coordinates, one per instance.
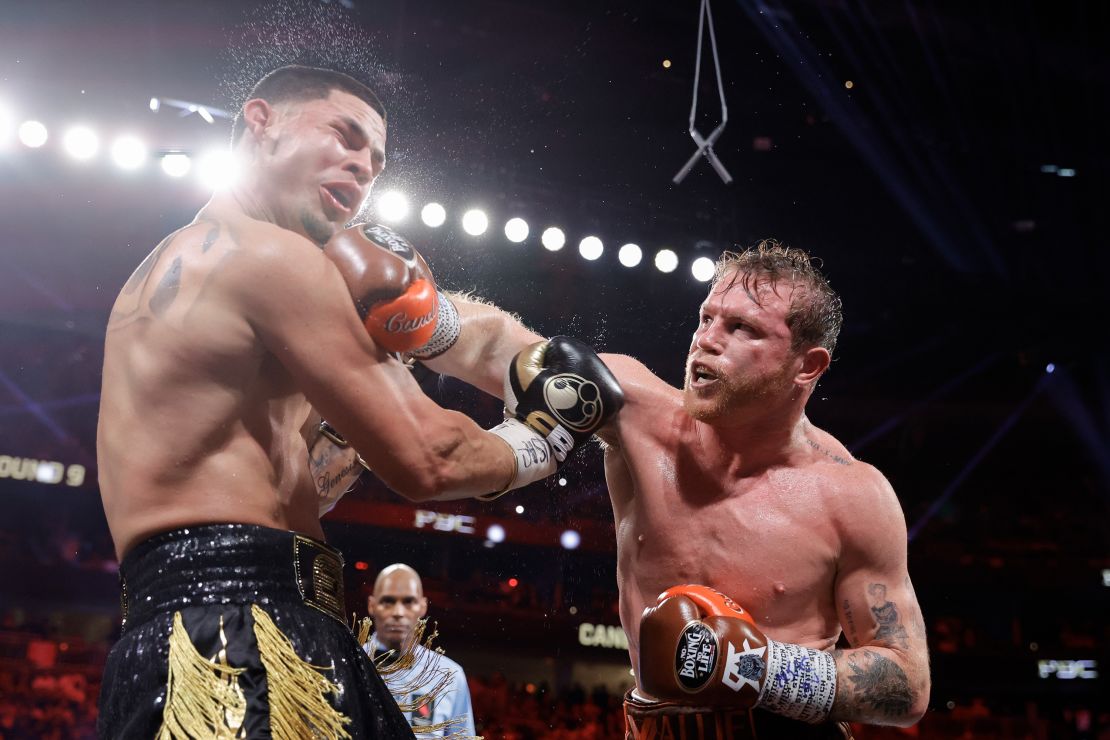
(666, 260)
(32, 134)
(553, 239)
(128, 152)
(516, 230)
(630, 255)
(495, 533)
(392, 206)
(590, 248)
(703, 269)
(218, 169)
(433, 215)
(81, 142)
(570, 539)
(562, 481)
(155, 104)
(475, 222)
(176, 164)
(519, 509)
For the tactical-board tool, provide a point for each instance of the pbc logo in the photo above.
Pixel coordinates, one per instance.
(389, 239)
(696, 656)
(575, 401)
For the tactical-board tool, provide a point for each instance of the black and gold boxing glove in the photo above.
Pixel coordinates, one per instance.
(558, 393)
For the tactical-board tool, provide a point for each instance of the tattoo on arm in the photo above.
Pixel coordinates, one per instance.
(333, 468)
(875, 686)
(890, 629)
(850, 622)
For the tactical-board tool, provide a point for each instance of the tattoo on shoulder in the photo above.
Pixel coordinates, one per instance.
(879, 683)
(886, 614)
(838, 459)
(167, 288)
(211, 237)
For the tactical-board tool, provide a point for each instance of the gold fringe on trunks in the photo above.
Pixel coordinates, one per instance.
(203, 697)
(298, 693)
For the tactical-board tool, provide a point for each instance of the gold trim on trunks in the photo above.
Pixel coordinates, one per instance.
(319, 572)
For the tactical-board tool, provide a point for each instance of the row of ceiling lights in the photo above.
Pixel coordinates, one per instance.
(217, 169)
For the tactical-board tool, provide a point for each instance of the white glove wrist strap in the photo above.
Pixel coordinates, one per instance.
(448, 327)
(534, 457)
(800, 682)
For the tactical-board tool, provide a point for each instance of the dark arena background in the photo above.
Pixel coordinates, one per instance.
(946, 160)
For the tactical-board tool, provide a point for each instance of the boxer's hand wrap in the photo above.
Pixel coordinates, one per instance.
(699, 647)
(557, 394)
(393, 290)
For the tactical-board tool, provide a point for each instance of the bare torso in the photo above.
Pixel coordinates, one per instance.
(769, 540)
(199, 423)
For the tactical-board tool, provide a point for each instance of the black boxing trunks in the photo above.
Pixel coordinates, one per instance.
(655, 720)
(238, 631)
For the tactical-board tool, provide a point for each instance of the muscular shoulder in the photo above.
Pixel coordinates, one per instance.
(646, 396)
(860, 496)
(272, 266)
(868, 514)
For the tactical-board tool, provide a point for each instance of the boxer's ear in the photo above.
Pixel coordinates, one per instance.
(257, 115)
(814, 362)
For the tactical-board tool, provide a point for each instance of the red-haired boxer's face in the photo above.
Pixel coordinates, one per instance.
(740, 357)
(318, 159)
(395, 607)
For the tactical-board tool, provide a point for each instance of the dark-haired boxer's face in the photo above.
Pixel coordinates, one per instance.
(395, 607)
(740, 355)
(318, 159)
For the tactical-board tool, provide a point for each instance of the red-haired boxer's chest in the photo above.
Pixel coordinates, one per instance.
(767, 542)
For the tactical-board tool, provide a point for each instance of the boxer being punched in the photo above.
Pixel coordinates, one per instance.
(726, 484)
(214, 464)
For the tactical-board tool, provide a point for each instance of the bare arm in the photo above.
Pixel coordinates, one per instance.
(299, 306)
(884, 678)
(488, 340)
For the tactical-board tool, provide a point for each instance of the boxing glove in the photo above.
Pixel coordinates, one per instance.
(557, 394)
(394, 291)
(699, 647)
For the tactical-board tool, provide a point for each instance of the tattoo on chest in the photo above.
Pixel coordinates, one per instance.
(839, 460)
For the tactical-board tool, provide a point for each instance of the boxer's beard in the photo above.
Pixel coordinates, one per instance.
(733, 394)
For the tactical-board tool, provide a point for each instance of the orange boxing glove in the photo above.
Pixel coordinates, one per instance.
(698, 647)
(394, 291)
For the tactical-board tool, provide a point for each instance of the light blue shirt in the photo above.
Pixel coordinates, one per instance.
(453, 703)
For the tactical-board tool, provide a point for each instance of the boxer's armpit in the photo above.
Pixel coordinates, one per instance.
(871, 686)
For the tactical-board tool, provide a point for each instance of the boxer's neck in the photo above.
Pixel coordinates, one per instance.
(758, 442)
